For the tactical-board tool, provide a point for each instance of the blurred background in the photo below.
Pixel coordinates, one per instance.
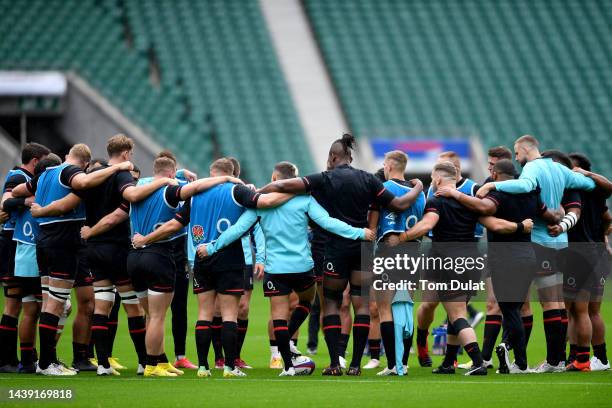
(273, 80)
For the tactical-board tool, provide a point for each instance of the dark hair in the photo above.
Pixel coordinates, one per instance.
(286, 170)
(51, 159)
(33, 151)
(559, 157)
(500, 152)
(581, 159)
(348, 143)
(505, 166)
(98, 160)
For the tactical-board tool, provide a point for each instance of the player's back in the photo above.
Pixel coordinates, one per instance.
(456, 223)
(393, 222)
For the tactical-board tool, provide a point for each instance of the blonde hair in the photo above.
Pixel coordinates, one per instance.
(118, 144)
(446, 169)
(399, 158)
(528, 140)
(81, 152)
(163, 164)
(223, 165)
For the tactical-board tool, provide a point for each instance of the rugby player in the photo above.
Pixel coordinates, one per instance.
(346, 193)
(552, 178)
(208, 214)
(453, 227)
(31, 154)
(389, 225)
(288, 264)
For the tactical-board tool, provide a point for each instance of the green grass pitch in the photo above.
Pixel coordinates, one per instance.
(263, 387)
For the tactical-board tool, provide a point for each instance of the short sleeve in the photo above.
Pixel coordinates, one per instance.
(313, 181)
(381, 196)
(245, 196)
(173, 195)
(13, 182)
(495, 196)
(124, 180)
(432, 205)
(125, 206)
(68, 174)
(184, 214)
(571, 199)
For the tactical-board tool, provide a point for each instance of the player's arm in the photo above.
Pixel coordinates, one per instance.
(83, 181)
(260, 245)
(575, 180)
(249, 198)
(16, 204)
(20, 190)
(244, 223)
(57, 207)
(134, 194)
(295, 185)
(524, 184)
(403, 202)
(204, 184)
(161, 233)
(500, 226)
(421, 228)
(485, 206)
(572, 205)
(184, 174)
(373, 218)
(335, 226)
(600, 181)
(107, 222)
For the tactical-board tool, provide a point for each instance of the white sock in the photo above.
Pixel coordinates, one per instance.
(180, 357)
(273, 350)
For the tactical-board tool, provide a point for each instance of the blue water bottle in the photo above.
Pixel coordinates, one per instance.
(439, 346)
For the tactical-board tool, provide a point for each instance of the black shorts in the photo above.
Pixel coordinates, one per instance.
(7, 257)
(30, 287)
(108, 261)
(547, 260)
(282, 284)
(224, 281)
(152, 268)
(341, 258)
(248, 277)
(57, 262)
(585, 269)
(83, 274)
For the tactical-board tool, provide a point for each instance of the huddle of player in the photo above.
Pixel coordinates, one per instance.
(94, 226)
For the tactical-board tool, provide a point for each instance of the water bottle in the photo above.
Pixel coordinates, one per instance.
(439, 346)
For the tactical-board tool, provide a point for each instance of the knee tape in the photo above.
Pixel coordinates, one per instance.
(129, 298)
(548, 281)
(460, 324)
(59, 294)
(142, 294)
(333, 294)
(28, 298)
(106, 293)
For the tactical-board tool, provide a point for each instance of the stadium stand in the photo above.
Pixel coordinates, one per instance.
(201, 77)
(498, 69)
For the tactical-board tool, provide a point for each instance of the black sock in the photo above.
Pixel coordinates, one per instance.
(361, 329)
(179, 312)
(374, 346)
(300, 313)
(582, 354)
(99, 335)
(474, 352)
(273, 343)
(492, 327)
(451, 355)
(113, 321)
(407, 347)
(527, 325)
(163, 358)
(152, 360)
(331, 330)
(563, 335)
(599, 351)
(421, 339)
(242, 331)
(79, 351)
(229, 339)
(572, 352)
(203, 336)
(8, 340)
(314, 324)
(343, 343)
(281, 332)
(90, 349)
(216, 326)
(138, 331)
(552, 330)
(27, 353)
(387, 332)
(47, 329)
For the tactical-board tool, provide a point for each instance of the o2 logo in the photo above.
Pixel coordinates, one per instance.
(270, 285)
(27, 230)
(223, 224)
(411, 221)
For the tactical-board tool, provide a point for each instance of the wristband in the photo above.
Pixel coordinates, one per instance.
(520, 227)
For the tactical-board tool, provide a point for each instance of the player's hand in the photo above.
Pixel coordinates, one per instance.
(126, 165)
(3, 216)
(581, 171)
(36, 210)
(201, 251)
(258, 271)
(559, 213)
(369, 234)
(527, 225)
(170, 181)
(29, 201)
(236, 180)
(392, 240)
(447, 192)
(417, 183)
(190, 176)
(484, 190)
(138, 241)
(554, 230)
(85, 232)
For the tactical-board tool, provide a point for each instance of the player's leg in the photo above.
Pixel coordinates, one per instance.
(599, 362)
(279, 314)
(387, 329)
(527, 318)
(243, 323)
(104, 297)
(217, 325)
(374, 337)
(228, 304)
(293, 302)
(156, 360)
(31, 303)
(136, 319)
(113, 325)
(581, 333)
(304, 289)
(333, 288)
(9, 360)
(425, 316)
(314, 321)
(492, 325)
(179, 310)
(347, 324)
(81, 328)
(360, 299)
(203, 330)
